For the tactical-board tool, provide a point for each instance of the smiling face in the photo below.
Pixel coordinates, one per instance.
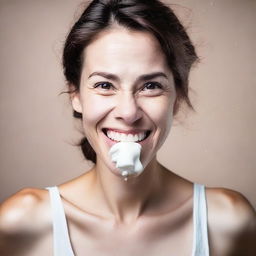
(127, 93)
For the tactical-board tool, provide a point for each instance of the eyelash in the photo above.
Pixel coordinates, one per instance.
(98, 85)
(159, 86)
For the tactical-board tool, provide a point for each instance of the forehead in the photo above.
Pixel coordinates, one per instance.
(121, 50)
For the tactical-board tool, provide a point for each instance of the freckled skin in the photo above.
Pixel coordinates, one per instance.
(151, 214)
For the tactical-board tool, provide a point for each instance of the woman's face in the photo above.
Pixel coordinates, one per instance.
(126, 88)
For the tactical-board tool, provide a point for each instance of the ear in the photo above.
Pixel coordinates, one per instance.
(75, 99)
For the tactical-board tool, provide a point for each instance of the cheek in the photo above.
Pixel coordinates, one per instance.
(160, 112)
(95, 108)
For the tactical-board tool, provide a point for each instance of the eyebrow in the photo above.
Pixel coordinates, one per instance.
(144, 77)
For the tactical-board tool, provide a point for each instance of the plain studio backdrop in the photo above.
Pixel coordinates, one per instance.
(214, 146)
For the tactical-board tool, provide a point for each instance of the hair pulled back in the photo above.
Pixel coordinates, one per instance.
(139, 15)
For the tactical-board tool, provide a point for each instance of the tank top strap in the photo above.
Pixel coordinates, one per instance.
(200, 236)
(61, 240)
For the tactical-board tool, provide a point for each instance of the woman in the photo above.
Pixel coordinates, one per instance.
(127, 64)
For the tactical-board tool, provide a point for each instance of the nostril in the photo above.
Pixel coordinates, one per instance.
(127, 108)
(128, 115)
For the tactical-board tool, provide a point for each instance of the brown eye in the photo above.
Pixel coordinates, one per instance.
(104, 85)
(152, 86)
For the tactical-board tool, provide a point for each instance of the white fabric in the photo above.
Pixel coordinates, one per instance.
(61, 241)
(200, 237)
(62, 245)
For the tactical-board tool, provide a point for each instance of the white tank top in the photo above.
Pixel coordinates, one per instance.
(61, 240)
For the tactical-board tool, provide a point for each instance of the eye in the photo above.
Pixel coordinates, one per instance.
(104, 86)
(152, 86)
(152, 89)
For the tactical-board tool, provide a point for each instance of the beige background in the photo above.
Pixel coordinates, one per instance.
(214, 146)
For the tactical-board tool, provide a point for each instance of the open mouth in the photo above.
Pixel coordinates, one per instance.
(126, 137)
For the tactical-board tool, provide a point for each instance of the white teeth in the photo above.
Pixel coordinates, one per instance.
(129, 137)
(123, 137)
(116, 136)
(140, 137)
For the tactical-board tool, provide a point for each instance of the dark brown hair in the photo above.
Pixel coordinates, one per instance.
(140, 15)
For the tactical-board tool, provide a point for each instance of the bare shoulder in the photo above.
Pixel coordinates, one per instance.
(24, 222)
(230, 206)
(230, 217)
(18, 211)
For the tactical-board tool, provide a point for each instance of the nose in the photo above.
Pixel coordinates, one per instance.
(127, 108)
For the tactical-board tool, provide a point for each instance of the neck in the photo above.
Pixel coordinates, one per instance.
(128, 200)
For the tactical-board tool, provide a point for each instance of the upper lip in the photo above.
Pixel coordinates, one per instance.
(130, 131)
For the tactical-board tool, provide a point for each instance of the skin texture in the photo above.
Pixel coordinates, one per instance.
(128, 106)
(148, 215)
